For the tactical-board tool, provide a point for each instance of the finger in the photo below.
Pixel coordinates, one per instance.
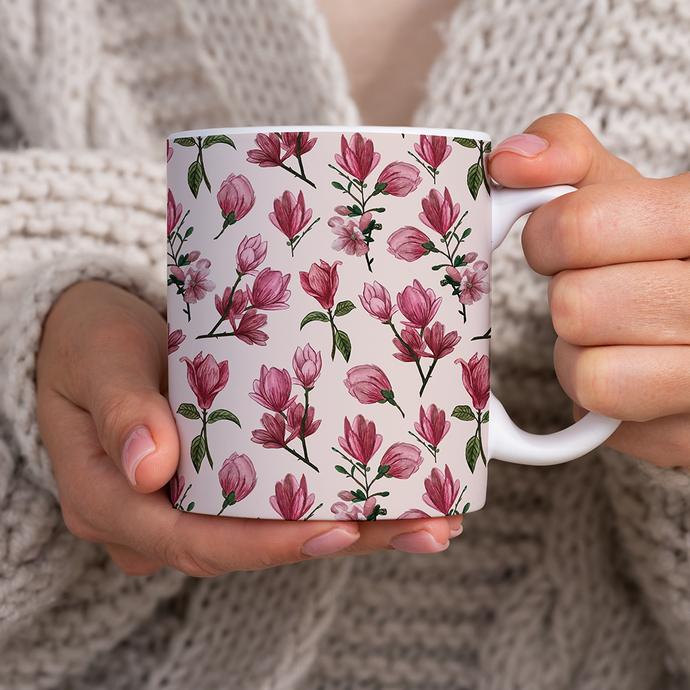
(556, 149)
(115, 369)
(633, 383)
(131, 561)
(624, 221)
(628, 304)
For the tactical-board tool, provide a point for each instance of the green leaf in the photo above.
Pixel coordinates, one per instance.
(342, 470)
(472, 453)
(430, 247)
(313, 316)
(466, 234)
(195, 176)
(185, 141)
(190, 506)
(218, 139)
(458, 261)
(383, 470)
(475, 179)
(342, 342)
(487, 149)
(464, 413)
(380, 188)
(188, 411)
(229, 500)
(190, 230)
(388, 396)
(467, 143)
(465, 508)
(337, 185)
(343, 308)
(358, 495)
(229, 220)
(198, 451)
(485, 418)
(218, 415)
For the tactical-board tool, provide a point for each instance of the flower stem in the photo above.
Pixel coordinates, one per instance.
(204, 432)
(425, 380)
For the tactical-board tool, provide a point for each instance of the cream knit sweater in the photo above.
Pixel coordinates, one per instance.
(572, 577)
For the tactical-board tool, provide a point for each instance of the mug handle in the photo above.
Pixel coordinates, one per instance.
(506, 440)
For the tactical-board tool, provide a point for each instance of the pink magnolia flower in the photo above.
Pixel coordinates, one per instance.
(432, 425)
(439, 213)
(206, 378)
(236, 195)
(298, 424)
(402, 460)
(406, 243)
(174, 212)
(413, 340)
(169, 151)
(475, 378)
(433, 150)
(360, 440)
(238, 476)
(273, 433)
(440, 343)
(472, 282)
(297, 143)
(400, 178)
(269, 154)
(272, 389)
(269, 291)
(358, 156)
(292, 499)
(250, 255)
(248, 330)
(290, 215)
(195, 280)
(321, 282)
(366, 383)
(349, 235)
(413, 514)
(306, 364)
(234, 310)
(441, 490)
(175, 339)
(418, 306)
(353, 511)
(377, 301)
(176, 488)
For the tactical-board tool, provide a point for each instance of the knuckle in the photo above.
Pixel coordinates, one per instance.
(596, 382)
(188, 563)
(577, 231)
(78, 525)
(571, 307)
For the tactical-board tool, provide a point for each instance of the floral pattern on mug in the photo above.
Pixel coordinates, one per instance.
(443, 492)
(431, 152)
(192, 281)
(177, 497)
(206, 378)
(237, 479)
(292, 499)
(276, 148)
(291, 217)
(236, 199)
(432, 428)
(196, 173)
(369, 384)
(476, 174)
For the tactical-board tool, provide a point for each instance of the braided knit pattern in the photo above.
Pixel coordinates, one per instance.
(575, 577)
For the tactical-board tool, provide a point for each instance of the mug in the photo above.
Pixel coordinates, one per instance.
(329, 323)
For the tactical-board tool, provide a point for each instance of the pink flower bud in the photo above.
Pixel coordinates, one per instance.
(418, 306)
(269, 154)
(407, 243)
(306, 364)
(475, 378)
(236, 195)
(366, 383)
(433, 150)
(237, 475)
(174, 212)
(432, 425)
(402, 460)
(250, 254)
(269, 291)
(377, 301)
(206, 378)
(400, 178)
(321, 282)
(439, 212)
(272, 389)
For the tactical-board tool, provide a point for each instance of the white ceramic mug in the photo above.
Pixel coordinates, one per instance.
(329, 323)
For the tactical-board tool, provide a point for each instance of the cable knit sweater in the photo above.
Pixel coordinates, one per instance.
(572, 577)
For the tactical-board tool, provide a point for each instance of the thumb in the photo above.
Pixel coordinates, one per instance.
(116, 371)
(556, 149)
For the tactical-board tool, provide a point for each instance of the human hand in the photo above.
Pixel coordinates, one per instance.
(617, 249)
(112, 440)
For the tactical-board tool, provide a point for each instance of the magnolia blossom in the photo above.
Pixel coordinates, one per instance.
(176, 488)
(440, 343)
(272, 389)
(366, 383)
(292, 499)
(377, 301)
(473, 285)
(439, 212)
(418, 306)
(269, 291)
(408, 243)
(357, 157)
(432, 425)
(353, 511)
(175, 339)
(321, 282)
(232, 309)
(273, 433)
(250, 255)
(360, 439)
(409, 340)
(400, 178)
(349, 235)
(248, 330)
(297, 143)
(194, 279)
(238, 476)
(269, 154)
(306, 364)
(413, 514)
(170, 151)
(289, 214)
(433, 150)
(236, 195)
(475, 378)
(402, 460)
(206, 378)
(174, 212)
(300, 424)
(441, 490)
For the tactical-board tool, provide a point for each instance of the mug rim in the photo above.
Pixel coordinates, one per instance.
(372, 129)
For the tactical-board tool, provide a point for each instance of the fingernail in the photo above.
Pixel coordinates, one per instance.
(329, 542)
(528, 145)
(455, 525)
(138, 445)
(417, 542)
